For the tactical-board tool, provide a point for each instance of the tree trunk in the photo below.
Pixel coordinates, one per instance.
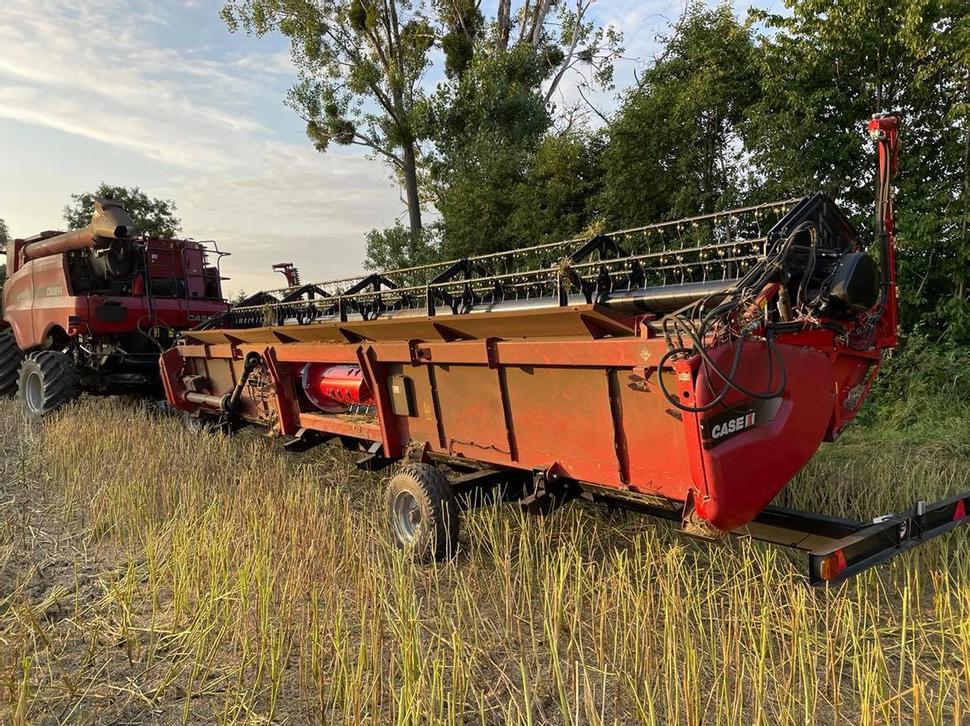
(411, 191)
(542, 10)
(504, 22)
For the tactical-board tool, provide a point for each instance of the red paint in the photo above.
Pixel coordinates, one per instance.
(332, 388)
(39, 297)
(570, 391)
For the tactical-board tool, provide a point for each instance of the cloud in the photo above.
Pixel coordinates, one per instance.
(202, 124)
(160, 95)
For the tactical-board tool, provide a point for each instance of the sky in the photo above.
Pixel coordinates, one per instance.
(159, 94)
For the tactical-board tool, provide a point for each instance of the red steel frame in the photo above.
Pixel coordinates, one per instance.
(580, 402)
(573, 394)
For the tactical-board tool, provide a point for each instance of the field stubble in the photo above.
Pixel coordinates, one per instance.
(147, 574)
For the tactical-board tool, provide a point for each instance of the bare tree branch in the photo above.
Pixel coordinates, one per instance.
(581, 7)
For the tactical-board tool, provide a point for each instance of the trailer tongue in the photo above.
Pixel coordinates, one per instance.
(687, 369)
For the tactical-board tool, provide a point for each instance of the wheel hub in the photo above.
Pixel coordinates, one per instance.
(34, 392)
(406, 517)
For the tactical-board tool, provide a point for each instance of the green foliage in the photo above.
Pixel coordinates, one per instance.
(499, 174)
(826, 67)
(396, 247)
(488, 124)
(553, 197)
(922, 394)
(463, 26)
(673, 144)
(496, 101)
(360, 64)
(154, 217)
(4, 238)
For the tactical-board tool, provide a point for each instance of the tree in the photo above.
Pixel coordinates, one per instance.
(360, 63)
(490, 124)
(4, 238)
(152, 216)
(558, 33)
(506, 201)
(397, 247)
(239, 297)
(674, 144)
(826, 67)
(554, 198)
(487, 125)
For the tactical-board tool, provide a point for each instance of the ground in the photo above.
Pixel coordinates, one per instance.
(148, 575)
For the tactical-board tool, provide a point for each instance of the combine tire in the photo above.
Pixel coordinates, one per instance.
(423, 513)
(48, 380)
(10, 360)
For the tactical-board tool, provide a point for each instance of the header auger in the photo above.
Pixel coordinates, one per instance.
(92, 309)
(686, 369)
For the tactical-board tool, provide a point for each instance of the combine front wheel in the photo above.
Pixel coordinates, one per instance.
(10, 360)
(48, 380)
(423, 512)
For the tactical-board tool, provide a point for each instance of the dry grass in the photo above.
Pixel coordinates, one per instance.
(147, 575)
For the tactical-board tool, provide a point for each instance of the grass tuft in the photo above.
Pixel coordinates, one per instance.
(149, 574)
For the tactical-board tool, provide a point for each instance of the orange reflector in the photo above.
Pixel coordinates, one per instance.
(832, 565)
(961, 510)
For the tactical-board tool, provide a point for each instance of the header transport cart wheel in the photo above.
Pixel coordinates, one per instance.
(10, 360)
(422, 513)
(48, 380)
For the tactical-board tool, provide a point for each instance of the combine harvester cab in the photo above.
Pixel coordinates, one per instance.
(92, 309)
(686, 369)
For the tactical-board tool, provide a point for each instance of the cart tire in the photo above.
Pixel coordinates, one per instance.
(11, 359)
(48, 380)
(422, 513)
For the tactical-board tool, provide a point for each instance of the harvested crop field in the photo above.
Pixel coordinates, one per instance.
(152, 575)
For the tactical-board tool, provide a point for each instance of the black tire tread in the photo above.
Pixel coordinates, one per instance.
(11, 359)
(433, 486)
(59, 376)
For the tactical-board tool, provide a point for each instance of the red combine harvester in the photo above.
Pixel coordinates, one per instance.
(686, 369)
(93, 309)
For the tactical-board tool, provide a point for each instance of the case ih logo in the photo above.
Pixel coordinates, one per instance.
(719, 431)
(739, 417)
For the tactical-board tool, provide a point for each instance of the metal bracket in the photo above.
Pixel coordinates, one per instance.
(417, 452)
(306, 439)
(374, 459)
